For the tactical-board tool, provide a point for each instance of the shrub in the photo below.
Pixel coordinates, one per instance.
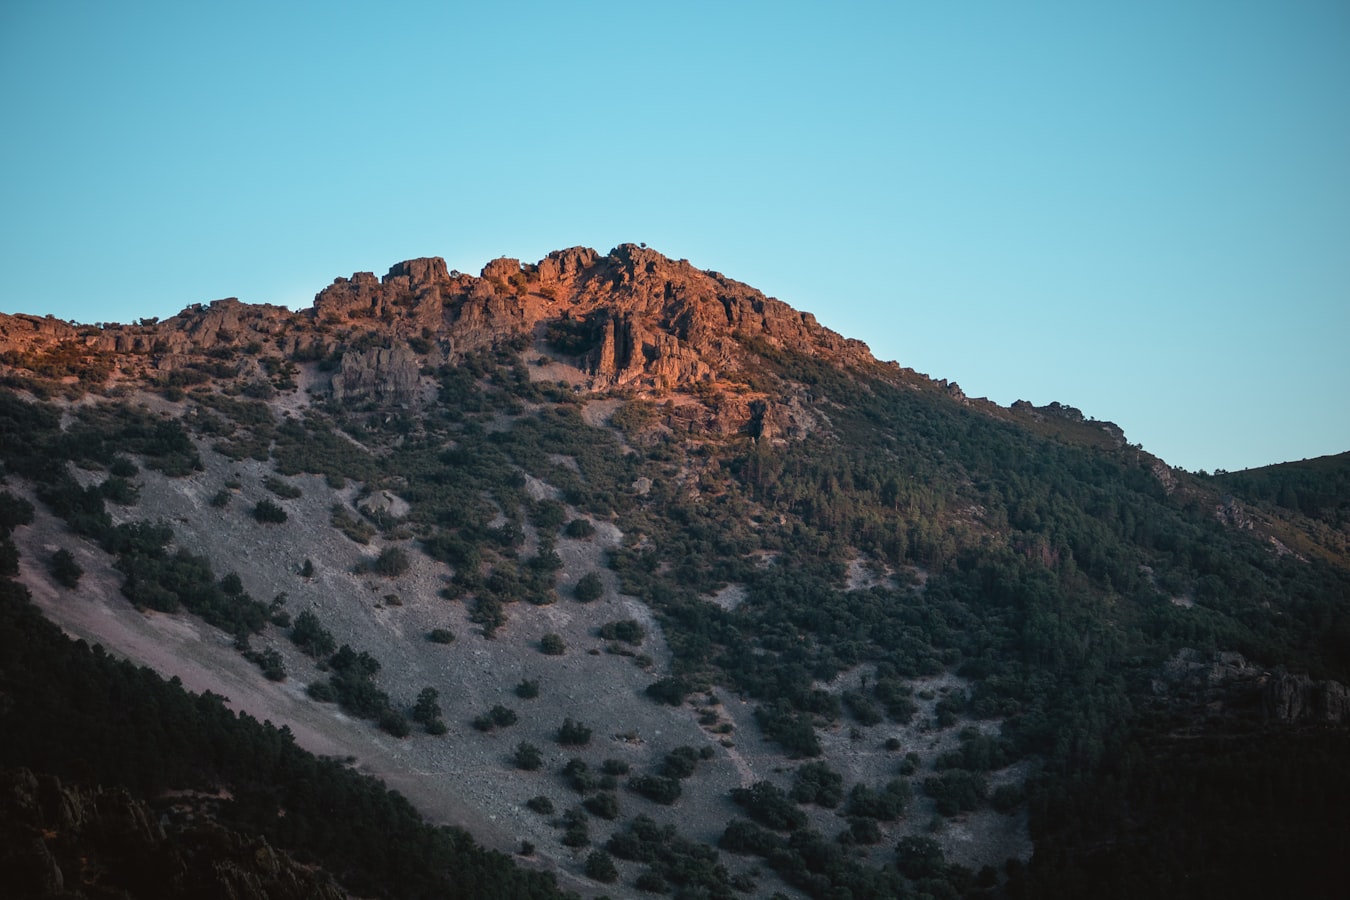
(603, 805)
(541, 805)
(579, 776)
(311, 637)
(671, 691)
(919, 857)
(281, 488)
(656, 788)
(527, 689)
(394, 723)
(268, 512)
(392, 562)
(768, 805)
(427, 709)
(1006, 798)
(573, 734)
(440, 635)
(356, 529)
(627, 630)
(221, 499)
(552, 645)
(528, 756)
(270, 661)
(741, 836)
(864, 831)
(64, 569)
(577, 833)
(589, 588)
(819, 784)
(579, 528)
(548, 515)
(956, 791)
(863, 708)
(888, 804)
(600, 866)
(651, 883)
(680, 762)
(788, 727)
(497, 717)
(614, 767)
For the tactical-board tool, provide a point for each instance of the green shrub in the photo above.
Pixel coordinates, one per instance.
(600, 866)
(579, 528)
(573, 734)
(670, 691)
(552, 645)
(392, 722)
(767, 804)
(589, 588)
(528, 756)
(64, 569)
(614, 767)
(627, 630)
(680, 762)
(311, 637)
(888, 804)
(392, 562)
(817, 783)
(356, 529)
(268, 512)
(427, 709)
(656, 788)
(283, 489)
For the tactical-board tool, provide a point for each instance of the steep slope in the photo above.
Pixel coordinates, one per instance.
(886, 627)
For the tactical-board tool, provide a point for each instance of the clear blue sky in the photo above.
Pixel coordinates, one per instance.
(1141, 209)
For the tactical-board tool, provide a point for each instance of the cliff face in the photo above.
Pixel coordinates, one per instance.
(640, 319)
(633, 319)
(1226, 683)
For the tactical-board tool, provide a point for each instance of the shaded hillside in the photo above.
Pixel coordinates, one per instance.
(79, 714)
(1001, 612)
(1306, 504)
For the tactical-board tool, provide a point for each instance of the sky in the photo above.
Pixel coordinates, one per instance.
(1141, 210)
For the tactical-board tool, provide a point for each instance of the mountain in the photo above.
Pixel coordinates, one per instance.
(653, 582)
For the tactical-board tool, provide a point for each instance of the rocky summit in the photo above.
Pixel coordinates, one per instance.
(608, 575)
(633, 317)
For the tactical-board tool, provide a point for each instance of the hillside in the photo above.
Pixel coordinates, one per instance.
(595, 556)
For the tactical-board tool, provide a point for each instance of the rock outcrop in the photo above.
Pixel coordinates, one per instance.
(654, 324)
(1227, 684)
(63, 841)
(1298, 698)
(385, 375)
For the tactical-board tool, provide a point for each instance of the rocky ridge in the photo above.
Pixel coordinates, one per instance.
(630, 319)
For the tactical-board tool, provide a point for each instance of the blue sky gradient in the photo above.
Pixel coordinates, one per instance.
(1142, 209)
